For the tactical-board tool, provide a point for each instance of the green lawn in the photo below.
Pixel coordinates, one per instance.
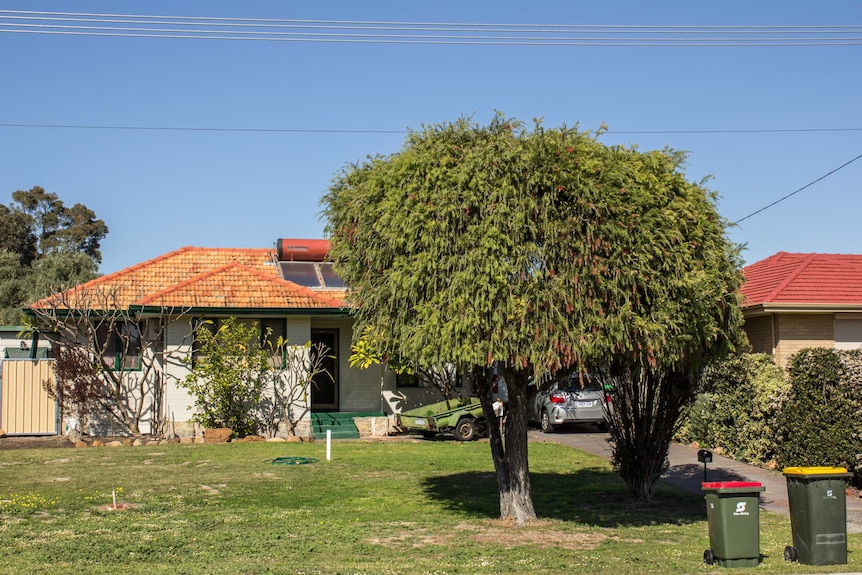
(377, 508)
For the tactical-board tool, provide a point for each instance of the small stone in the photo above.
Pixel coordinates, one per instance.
(276, 440)
(294, 439)
(81, 443)
(138, 442)
(187, 439)
(98, 443)
(114, 444)
(2, 433)
(199, 439)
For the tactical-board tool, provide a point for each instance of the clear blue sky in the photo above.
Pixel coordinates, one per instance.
(159, 190)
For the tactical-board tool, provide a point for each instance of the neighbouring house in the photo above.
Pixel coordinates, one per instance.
(794, 301)
(292, 290)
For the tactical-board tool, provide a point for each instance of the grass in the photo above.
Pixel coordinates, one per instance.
(377, 508)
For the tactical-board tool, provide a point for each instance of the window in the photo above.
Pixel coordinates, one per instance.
(277, 329)
(121, 348)
(211, 325)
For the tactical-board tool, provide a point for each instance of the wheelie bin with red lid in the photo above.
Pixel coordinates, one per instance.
(733, 515)
(818, 514)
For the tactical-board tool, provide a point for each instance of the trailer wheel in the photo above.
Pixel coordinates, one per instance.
(465, 429)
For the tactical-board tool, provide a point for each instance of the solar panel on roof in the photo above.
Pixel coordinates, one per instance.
(301, 273)
(330, 278)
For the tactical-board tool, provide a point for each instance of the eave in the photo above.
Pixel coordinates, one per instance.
(813, 308)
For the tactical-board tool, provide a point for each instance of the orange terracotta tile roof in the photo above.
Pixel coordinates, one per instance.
(198, 277)
(793, 278)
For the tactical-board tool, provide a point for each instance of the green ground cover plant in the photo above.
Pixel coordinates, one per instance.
(393, 507)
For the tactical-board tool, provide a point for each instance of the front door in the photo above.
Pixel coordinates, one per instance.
(324, 388)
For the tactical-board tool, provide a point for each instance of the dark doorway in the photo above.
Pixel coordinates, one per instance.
(324, 392)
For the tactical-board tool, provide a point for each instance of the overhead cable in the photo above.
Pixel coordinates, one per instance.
(399, 32)
(793, 193)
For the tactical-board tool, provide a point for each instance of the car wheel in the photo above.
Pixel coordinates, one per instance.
(465, 430)
(546, 424)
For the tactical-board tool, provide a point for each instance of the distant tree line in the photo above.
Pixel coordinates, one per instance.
(45, 247)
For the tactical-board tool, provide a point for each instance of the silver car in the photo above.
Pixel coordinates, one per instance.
(571, 398)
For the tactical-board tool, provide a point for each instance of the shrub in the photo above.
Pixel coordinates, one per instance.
(738, 407)
(819, 421)
(230, 375)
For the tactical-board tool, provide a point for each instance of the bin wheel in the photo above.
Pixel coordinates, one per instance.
(790, 553)
(708, 557)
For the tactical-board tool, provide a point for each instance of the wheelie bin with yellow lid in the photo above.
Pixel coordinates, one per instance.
(733, 515)
(818, 514)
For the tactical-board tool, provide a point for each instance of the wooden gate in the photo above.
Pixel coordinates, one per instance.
(25, 406)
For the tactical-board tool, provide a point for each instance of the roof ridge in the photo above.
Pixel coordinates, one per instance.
(275, 281)
(803, 265)
(187, 282)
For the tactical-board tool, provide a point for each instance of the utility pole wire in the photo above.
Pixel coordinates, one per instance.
(436, 33)
(370, 131)
(809, 184)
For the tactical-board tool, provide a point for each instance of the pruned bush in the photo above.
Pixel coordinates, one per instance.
(738, 407)
(819, 421)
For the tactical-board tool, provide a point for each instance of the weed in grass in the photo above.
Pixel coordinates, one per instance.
(25, 504)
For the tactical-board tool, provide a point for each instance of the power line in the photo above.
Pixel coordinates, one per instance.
(193, 129)
(438, 33)
(809, 184)
(369, 131)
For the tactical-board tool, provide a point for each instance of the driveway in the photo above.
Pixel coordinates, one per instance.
(686, 471)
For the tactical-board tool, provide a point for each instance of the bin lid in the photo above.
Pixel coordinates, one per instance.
(815, 471)
(732, 485)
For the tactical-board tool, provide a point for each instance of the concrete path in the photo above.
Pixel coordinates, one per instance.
(687, 472)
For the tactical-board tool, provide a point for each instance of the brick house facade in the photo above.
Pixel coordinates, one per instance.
(795, 301)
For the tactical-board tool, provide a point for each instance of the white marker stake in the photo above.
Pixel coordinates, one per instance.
(329, 445)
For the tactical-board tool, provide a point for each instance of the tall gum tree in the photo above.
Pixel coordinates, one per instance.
(538, 249)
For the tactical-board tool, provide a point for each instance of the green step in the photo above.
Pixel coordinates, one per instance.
(339, 423)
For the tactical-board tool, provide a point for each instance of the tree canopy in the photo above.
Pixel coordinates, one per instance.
(539, 249)
(44, 247)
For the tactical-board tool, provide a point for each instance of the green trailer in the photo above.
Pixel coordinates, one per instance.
(462, 417)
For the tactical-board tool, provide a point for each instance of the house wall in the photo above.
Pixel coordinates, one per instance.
(760, 333)
(795, 332)
(177, 403)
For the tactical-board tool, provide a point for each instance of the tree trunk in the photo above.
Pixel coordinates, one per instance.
(647, 403)
(510, 455)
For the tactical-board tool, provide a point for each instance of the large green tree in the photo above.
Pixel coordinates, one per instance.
(539, 249)
(47, 247)
(57, 228)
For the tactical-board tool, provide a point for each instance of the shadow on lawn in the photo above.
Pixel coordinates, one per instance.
(694, 471)
(586, 496)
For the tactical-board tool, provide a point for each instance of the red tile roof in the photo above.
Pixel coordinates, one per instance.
(198, 277)
(789, 278)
